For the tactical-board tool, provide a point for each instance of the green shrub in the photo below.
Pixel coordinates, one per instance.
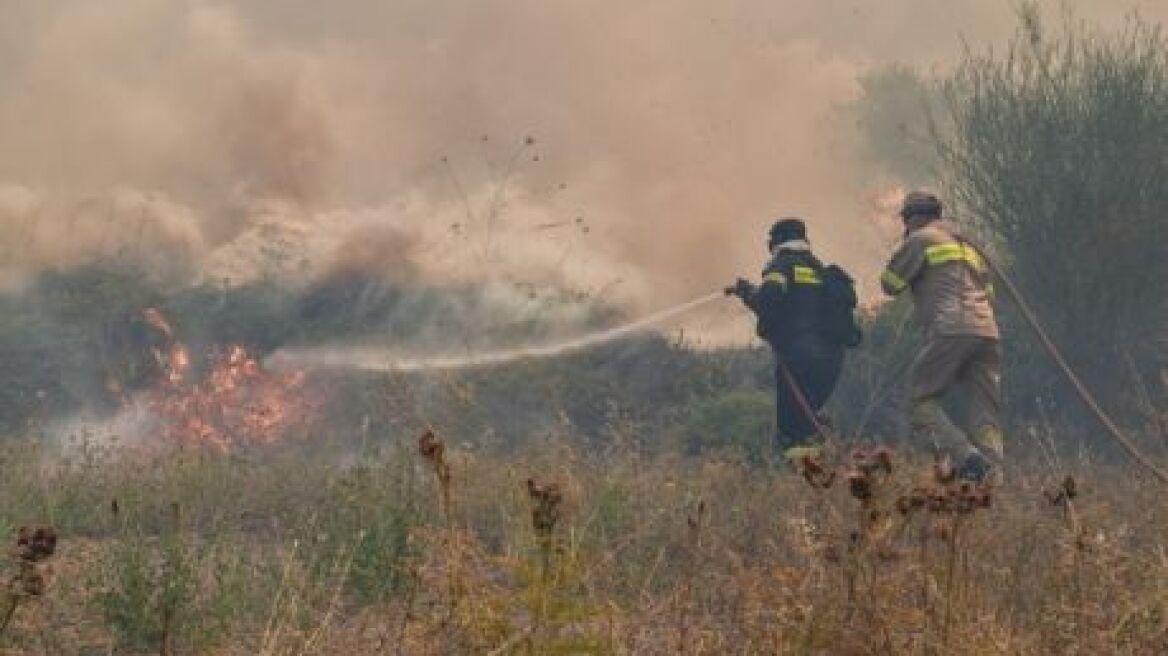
(740, 421)
(375, 506)
(1057, 149)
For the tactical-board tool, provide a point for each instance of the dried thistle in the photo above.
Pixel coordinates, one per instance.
(1066, 492)
(870, 461)
(943, 496)
(867, 469)
(545, 513)
(1063, 497)
(915, 500)
(433, 449)
(35, 544)
(816, 473)
(860, 485)
(430, 446)
(938, 502)
(695, 520)
(981, 497)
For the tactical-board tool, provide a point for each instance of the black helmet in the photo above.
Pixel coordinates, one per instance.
(786, 230)
(920, 203)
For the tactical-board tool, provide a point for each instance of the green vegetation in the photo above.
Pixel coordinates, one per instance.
(1057, 152)
(1051, 152)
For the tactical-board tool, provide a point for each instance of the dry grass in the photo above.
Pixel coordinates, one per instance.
(559, 552)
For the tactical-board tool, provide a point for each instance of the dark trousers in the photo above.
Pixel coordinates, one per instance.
(816, 375)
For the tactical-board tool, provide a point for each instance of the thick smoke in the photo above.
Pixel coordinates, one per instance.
(634, 151)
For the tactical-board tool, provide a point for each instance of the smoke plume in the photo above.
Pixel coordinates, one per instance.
(633, 151)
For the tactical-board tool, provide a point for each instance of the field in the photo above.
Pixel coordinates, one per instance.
(413, 546)
(200, 191)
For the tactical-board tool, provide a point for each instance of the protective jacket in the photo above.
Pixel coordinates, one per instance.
(949, 281)
(789, 301)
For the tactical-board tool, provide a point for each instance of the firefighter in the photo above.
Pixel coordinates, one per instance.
(951, 290)
(805, 313)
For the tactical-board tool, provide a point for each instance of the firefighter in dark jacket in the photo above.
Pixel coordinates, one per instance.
(793, 305)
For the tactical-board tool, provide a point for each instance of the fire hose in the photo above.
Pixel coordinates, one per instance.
(1113, 429)
(381, 360)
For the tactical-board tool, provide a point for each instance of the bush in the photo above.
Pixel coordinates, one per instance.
(1057, 149)
(893, 118)
(739, 421)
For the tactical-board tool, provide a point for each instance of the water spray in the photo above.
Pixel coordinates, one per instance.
(388, 360)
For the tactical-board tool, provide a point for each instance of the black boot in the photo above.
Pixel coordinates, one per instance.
(975, 468)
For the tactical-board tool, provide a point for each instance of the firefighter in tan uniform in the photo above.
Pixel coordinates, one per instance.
(951, 288)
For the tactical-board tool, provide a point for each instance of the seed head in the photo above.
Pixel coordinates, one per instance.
(1066, 492)
(859, 484)
(546, 499)
(872, 460)
(35, 544)
(915, 500)
(430, 446)
(815, 473)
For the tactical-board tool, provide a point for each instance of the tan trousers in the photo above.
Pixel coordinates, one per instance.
(968, 365)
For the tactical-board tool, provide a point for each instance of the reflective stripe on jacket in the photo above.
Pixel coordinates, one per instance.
(788, 303)
(949, 281)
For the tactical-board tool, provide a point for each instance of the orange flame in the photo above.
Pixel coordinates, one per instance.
(235, 401)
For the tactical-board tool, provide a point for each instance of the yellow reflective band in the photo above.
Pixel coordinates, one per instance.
(954, 252)
(942, 253)
(775, 277)
(796, 454)
(990, 438)
(894, 282)
(805, 276)
(973, 257)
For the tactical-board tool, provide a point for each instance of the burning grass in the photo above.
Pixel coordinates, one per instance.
(231, 400)
(424, 548)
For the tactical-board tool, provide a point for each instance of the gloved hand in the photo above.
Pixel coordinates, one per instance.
(741, 288)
